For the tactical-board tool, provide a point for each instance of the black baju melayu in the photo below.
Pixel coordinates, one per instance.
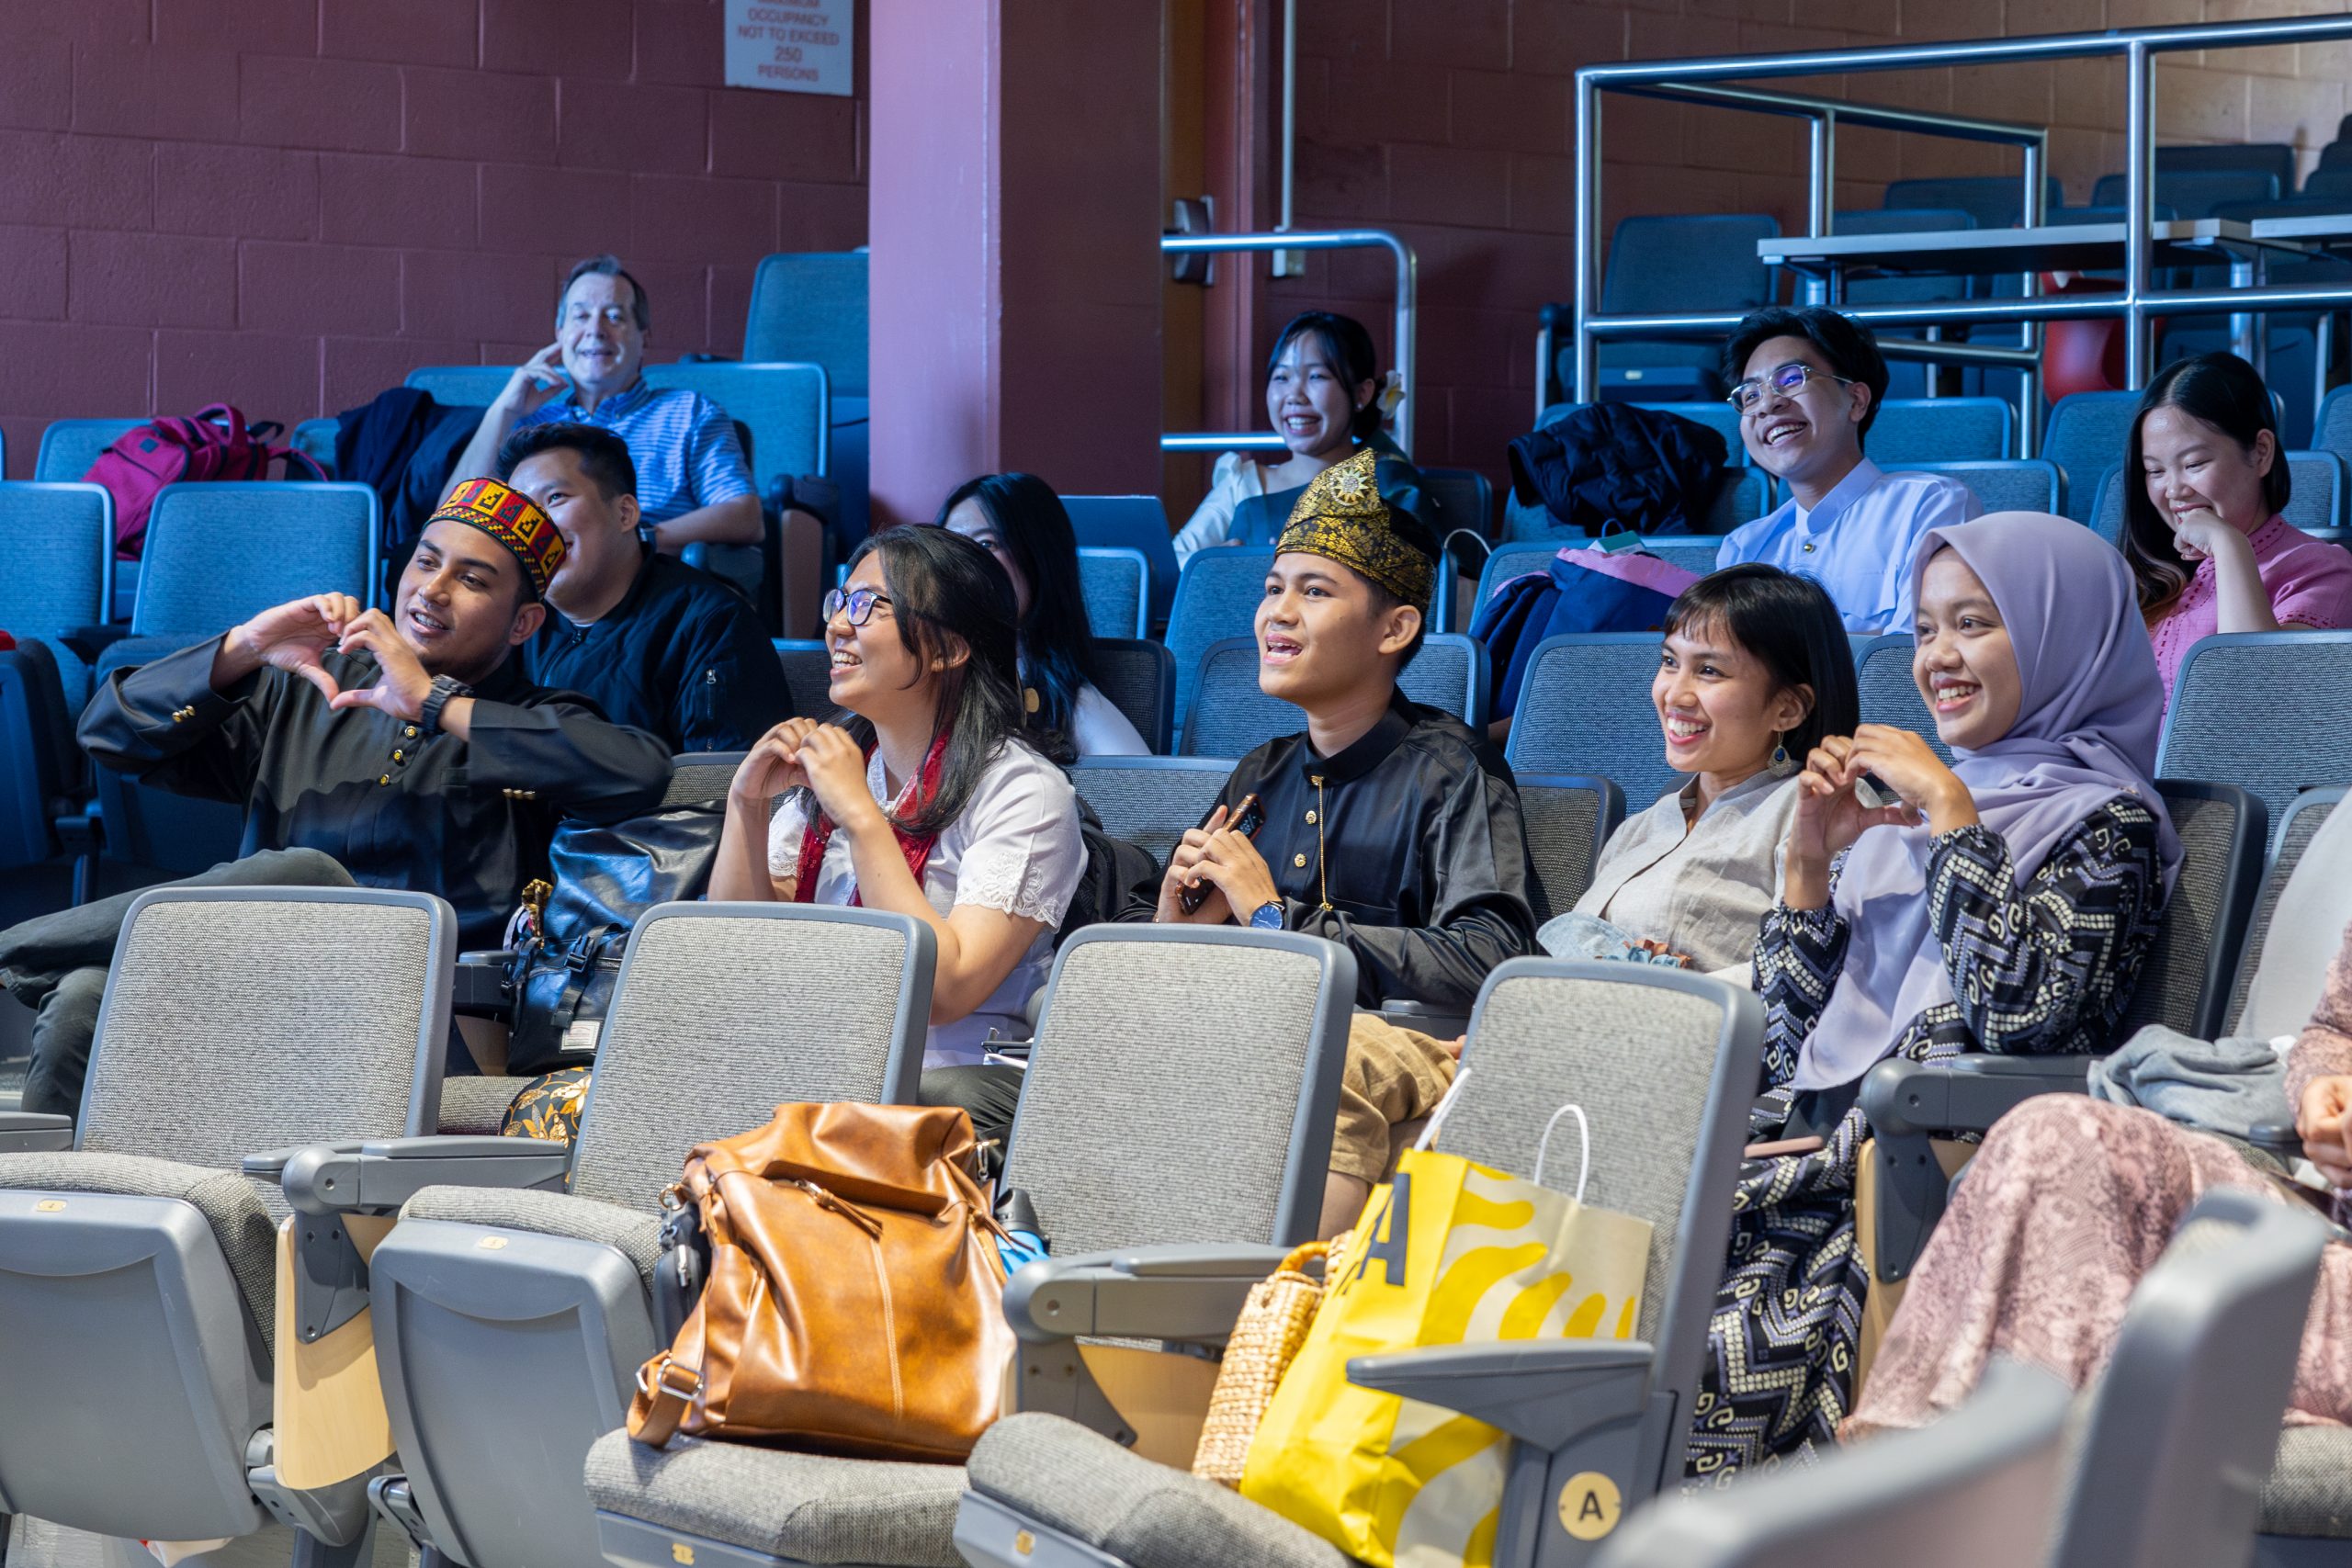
(1406, 848)
(398, 807)
(357, 791)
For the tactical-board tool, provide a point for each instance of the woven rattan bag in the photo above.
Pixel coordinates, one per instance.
(1272, 1327)
(1266, 1337)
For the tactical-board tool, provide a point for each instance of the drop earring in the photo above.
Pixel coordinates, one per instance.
(1781, 766)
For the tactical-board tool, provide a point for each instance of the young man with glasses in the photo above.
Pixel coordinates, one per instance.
(1808, 385)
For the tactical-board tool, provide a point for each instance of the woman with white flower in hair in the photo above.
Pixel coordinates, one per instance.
(1327, 399)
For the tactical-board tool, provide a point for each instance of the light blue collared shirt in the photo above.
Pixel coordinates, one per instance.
(1857, 544)
(683, 444)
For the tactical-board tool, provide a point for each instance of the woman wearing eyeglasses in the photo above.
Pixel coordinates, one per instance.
(1809, 383)
(927, 799)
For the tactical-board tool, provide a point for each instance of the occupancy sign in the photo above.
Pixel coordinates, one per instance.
(790, 48)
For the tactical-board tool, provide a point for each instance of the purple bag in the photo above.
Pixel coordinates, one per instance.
(1587, 588)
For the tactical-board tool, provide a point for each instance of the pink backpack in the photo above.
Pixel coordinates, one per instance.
(216, 445)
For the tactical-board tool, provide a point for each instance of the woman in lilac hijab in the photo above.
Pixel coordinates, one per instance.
(2004, 903)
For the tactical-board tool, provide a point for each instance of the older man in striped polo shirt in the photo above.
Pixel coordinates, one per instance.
(693, 483)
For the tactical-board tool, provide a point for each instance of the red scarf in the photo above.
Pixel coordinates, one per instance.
(914, 846)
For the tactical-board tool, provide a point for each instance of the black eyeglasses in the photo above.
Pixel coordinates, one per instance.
(1788, 380)
(859, 602)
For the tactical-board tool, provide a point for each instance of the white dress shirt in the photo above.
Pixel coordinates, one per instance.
(1858, 543)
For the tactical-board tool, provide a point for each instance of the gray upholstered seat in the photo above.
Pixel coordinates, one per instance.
(2228, 719)
(722, 1012)
(1117, 585)
(1567, 821)
(800, 1508)
(2169, 1464)
(1182, 1091)
(1143, 1514)
(1889, 694)
(1584, 707)
(1150, 801)
(2307, 929)
(476, 1105)
(2308, 1493)
(138, 1270)
(1974, 1487)
(635, 1234)
(1662, 1066)
(229, 1201)
(2184, 984)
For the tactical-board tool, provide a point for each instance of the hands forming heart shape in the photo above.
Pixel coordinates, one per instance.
(294, 637)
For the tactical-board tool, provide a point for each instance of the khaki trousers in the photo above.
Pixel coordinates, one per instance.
(1393, 1076)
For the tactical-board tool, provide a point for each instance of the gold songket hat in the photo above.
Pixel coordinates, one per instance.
(1341, 517)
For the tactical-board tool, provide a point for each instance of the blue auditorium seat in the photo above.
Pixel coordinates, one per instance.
(2315, 499)
(1231, 718)
(1672, 265)
(1993, 200)
(1216, 598)
(783, 405)
(1117, 585)
(2086, 436)
(2252, 707)
(219, 552)
(58, 542)
(1912, 431)
(68, 446)
(1135, 522)
(2195, 193)
(1905, 379)
(460, 386)
(1586, 708)
(2006, 484)
(810, 305)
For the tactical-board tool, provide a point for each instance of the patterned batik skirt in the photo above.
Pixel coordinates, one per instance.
(1787, 1324)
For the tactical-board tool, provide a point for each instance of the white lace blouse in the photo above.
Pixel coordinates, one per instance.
(1015, 848)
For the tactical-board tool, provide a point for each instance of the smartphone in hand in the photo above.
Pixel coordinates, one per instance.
(1249, 816)
(1875, 792)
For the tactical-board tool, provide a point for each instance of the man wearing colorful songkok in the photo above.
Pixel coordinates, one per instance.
(401, 750)
(1390, 827)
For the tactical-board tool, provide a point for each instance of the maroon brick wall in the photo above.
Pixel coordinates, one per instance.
(288, 204)
(1451, 124)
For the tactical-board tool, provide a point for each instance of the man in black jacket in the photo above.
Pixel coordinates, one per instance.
(656, 643)
(396, 750)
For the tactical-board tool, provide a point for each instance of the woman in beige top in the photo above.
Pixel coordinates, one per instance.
(1755, 668)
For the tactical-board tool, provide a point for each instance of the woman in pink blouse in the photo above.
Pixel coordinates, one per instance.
(2202, 530)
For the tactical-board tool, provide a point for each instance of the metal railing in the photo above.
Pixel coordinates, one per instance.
(1401, 421)
(2137, 304)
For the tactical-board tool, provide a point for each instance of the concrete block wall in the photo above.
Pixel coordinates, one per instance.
(288, 204)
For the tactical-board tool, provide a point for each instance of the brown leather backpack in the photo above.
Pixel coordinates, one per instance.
(856, 1302)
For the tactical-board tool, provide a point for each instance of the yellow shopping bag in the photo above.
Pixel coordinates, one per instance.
(1451, 1253)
